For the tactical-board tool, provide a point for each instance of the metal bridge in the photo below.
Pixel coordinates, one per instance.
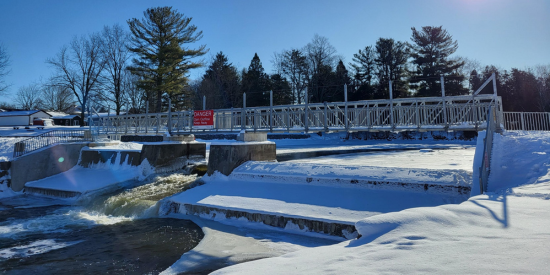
(403, 114)
(445, 113)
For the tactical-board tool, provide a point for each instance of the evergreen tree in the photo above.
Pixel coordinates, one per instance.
(282, 93)
(256, 84)
(391, 60)
(431, 50)
(475, 81)
(163, 59)
(364, 68)
(365, 65)
(221, 84)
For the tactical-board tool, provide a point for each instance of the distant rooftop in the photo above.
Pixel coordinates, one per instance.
(20, 113)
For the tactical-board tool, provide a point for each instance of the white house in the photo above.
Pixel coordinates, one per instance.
(21, 118)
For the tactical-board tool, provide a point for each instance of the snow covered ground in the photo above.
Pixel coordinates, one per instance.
(425, 158)
(505, 231)
(314, 202)
(6, 147)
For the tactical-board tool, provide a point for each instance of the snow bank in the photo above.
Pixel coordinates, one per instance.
(502, 232)
(286, 172)
(485, 235)
(519, 158)
(6, 147)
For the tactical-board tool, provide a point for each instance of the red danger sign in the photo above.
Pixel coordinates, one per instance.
(203, 119)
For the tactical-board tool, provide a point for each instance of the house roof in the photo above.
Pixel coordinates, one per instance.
(65, 117)
(20, 113)
(54, 114)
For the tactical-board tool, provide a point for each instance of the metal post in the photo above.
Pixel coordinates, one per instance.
(306, 128)
(474, 108)
(391, 106)
(522, 122)
(498, 118)
(271, 111)
(109, 119)
(146, 116)
(243, 113)
(204, 102)
(170, 116)
(444, 102)
(325, 117)
(346, 106)
(89, 121)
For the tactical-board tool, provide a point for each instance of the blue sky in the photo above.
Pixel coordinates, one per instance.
(506, 33)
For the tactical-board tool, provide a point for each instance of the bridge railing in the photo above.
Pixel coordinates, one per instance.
(527, 121)
(49, 138)
(433, 113)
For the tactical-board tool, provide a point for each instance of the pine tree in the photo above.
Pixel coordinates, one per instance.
(159, 41)
(364, 67)
(221, 84)
(431, 50)
(256, 84)
(282, 94)
(391, 60)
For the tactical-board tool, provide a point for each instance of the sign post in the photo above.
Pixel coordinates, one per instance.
(203, 119)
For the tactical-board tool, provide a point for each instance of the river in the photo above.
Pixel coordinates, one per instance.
(116, 233)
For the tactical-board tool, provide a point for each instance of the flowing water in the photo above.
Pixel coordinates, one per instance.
(118, 233)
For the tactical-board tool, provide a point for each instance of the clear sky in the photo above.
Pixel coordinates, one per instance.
(505, 33)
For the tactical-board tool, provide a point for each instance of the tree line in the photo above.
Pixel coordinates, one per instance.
(125, 71)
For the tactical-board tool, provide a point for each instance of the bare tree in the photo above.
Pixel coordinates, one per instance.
(135, 96)
(321, 57)
(56, 98)
(4, 63)
(79, 67)
(293, 65)
(28, 97)
(115, 50)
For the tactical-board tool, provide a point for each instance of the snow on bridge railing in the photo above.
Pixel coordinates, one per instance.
(46, 139)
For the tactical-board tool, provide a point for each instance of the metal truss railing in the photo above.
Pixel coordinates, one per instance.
(402, 114)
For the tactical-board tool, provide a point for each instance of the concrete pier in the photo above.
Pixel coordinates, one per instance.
(252, 146)
(44, 163)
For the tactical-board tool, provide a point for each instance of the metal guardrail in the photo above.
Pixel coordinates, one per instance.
(485, 168)
(402, 114)
(527, 121)
(46, 139)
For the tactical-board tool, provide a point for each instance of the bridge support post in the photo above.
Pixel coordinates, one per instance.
(146, 116)
(169, 122)
(271, 111)
(391, 107)
(444, 103)
(345, 107)
(243, 113)
(325, 117)
(306, 107)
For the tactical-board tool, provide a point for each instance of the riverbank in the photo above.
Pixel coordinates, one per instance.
(504, 231)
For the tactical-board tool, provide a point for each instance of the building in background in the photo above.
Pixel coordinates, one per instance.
(22, 118)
